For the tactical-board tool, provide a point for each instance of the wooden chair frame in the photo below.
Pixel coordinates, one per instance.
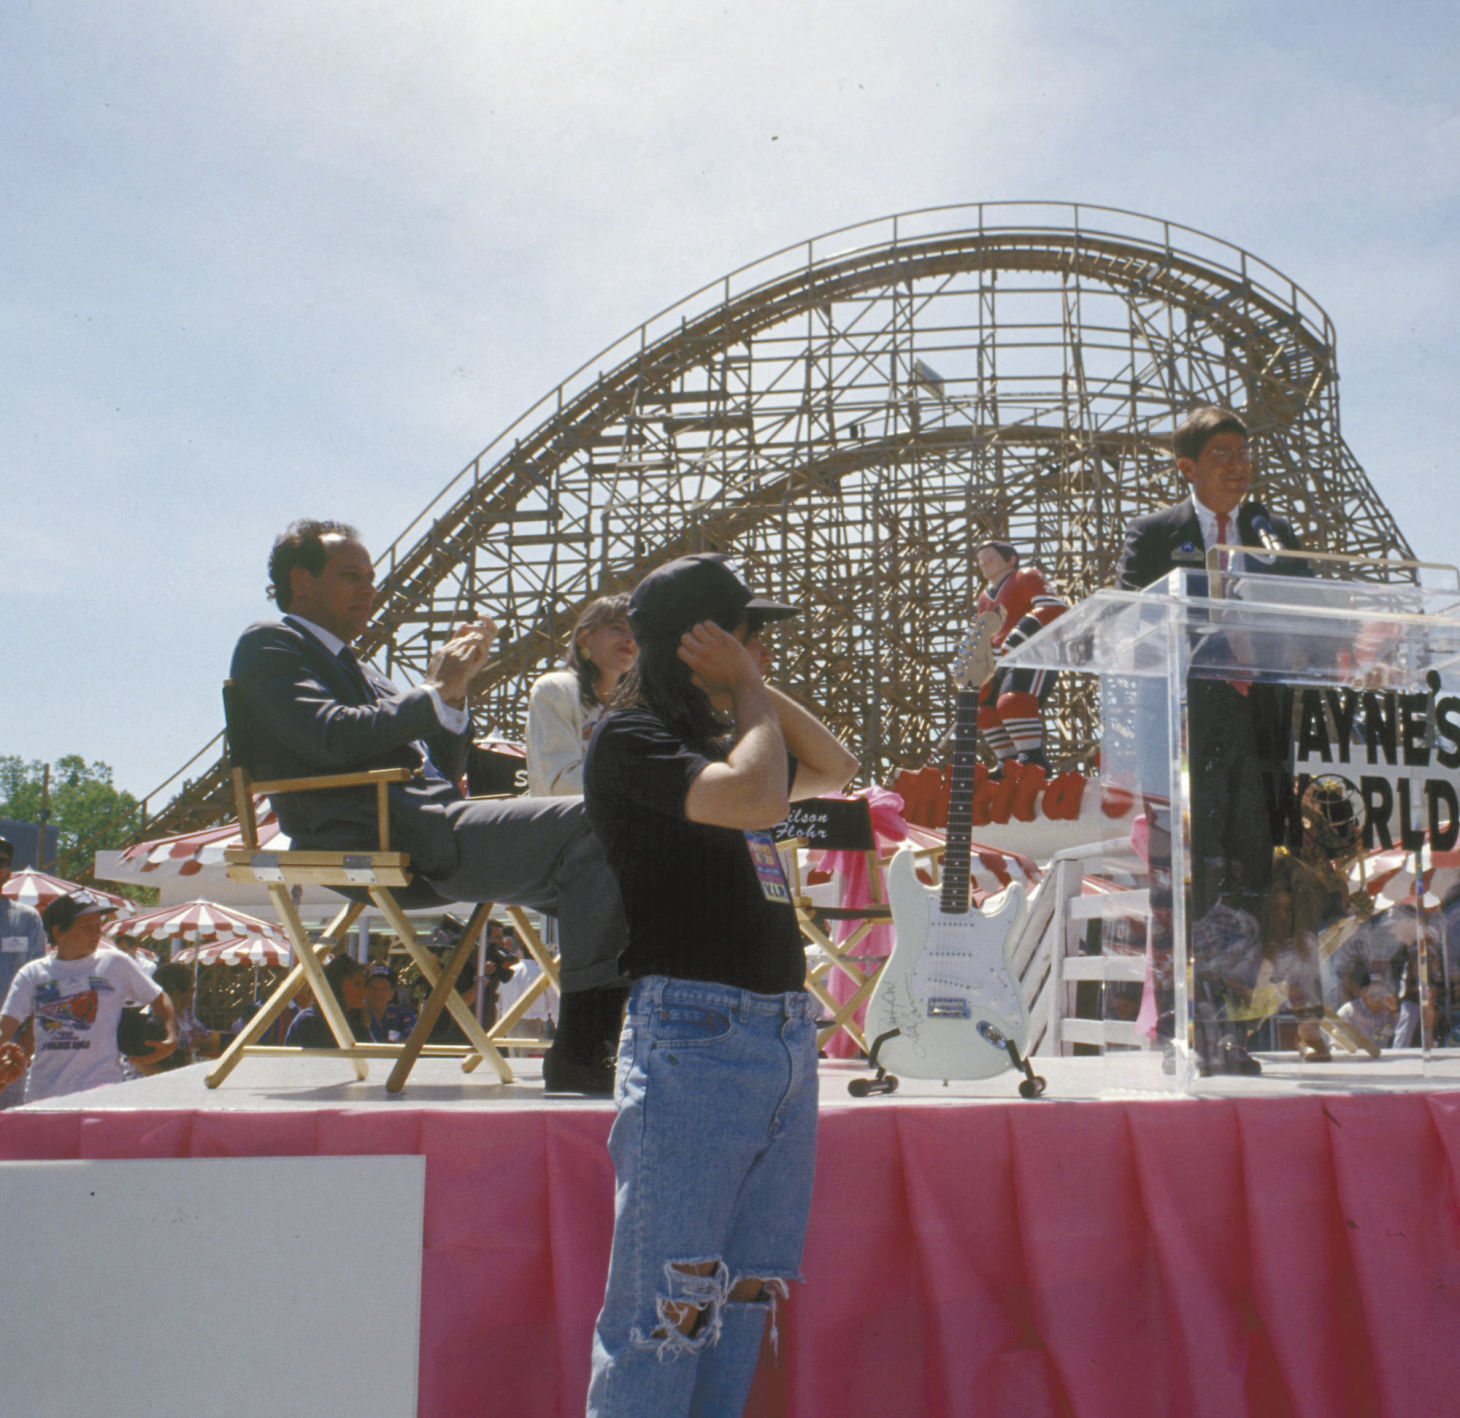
(812, 920)
(501, 1032)
(443, 992)
(380, 873)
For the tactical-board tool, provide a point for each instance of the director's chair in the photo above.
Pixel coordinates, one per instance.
(383, 878)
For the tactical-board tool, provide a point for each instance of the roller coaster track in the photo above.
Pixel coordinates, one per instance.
(851, 422)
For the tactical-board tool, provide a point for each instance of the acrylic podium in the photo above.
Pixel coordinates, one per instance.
(1293, 744)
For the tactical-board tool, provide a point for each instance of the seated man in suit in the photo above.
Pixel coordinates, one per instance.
(1238, 750)
(305, 705)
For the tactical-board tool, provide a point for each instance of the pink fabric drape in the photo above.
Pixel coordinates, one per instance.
(1266, 1258)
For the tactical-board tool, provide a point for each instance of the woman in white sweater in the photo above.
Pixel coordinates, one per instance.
(564, 705)
(561, 711)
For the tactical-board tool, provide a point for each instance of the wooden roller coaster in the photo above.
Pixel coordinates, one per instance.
(850, 417)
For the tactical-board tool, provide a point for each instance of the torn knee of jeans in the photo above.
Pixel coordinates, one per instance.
(763, 1292)
(688, 1307)
(750, 1290)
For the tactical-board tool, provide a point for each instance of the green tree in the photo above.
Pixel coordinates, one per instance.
(85, 807)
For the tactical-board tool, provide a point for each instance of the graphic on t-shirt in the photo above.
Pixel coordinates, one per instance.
(76, 1012)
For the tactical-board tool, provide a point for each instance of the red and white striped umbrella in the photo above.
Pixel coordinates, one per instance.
(1389, 876)
(189, 852)
(238, 950)
(196, 922)
(37, 888)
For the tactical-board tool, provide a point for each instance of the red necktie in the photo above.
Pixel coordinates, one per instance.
(1223, 522)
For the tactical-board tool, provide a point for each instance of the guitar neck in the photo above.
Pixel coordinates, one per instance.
(954, 898)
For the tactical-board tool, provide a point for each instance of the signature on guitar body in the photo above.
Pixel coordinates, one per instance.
(947, 996)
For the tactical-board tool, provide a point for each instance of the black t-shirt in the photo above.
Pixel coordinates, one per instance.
(694, 901)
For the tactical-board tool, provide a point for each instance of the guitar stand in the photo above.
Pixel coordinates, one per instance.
(1032, 1085)
(884, 1082)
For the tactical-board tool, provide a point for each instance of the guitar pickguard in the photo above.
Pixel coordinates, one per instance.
(948, 974)
(962, 958)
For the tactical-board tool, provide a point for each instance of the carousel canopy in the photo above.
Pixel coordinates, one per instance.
(190, 852)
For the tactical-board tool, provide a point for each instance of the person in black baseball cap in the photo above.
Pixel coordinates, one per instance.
(686, 776)
(703, 590)
(690, 589)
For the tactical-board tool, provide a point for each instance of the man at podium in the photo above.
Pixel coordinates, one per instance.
(1212, 455)
(1236, 737)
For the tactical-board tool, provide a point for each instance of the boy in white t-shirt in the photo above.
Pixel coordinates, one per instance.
(76, 996)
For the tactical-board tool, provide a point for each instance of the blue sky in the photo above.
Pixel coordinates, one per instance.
(262, 260)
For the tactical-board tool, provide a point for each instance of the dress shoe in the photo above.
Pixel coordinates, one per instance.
(1313, 1045)
(565, 1076)
(1229, 1057)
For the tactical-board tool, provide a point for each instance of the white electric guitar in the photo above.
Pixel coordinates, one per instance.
(946, 1004)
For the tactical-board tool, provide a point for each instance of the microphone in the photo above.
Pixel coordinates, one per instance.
(1259, 525)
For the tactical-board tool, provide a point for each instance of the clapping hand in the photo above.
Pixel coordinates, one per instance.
(456, 662)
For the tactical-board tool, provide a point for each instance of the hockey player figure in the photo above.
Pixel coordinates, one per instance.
(1011, 703)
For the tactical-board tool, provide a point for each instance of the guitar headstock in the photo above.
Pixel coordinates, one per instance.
(973, 664)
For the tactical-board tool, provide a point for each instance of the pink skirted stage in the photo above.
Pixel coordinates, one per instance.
(1288, 1248)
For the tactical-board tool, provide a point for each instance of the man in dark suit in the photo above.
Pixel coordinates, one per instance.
(304, 705)
(1211, 454)
(1237, 745)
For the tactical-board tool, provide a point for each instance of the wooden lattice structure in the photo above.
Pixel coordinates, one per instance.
(851, 417)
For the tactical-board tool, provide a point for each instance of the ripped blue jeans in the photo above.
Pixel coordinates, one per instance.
(713, 1148)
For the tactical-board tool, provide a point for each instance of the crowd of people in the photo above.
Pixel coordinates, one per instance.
(380, 1003)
